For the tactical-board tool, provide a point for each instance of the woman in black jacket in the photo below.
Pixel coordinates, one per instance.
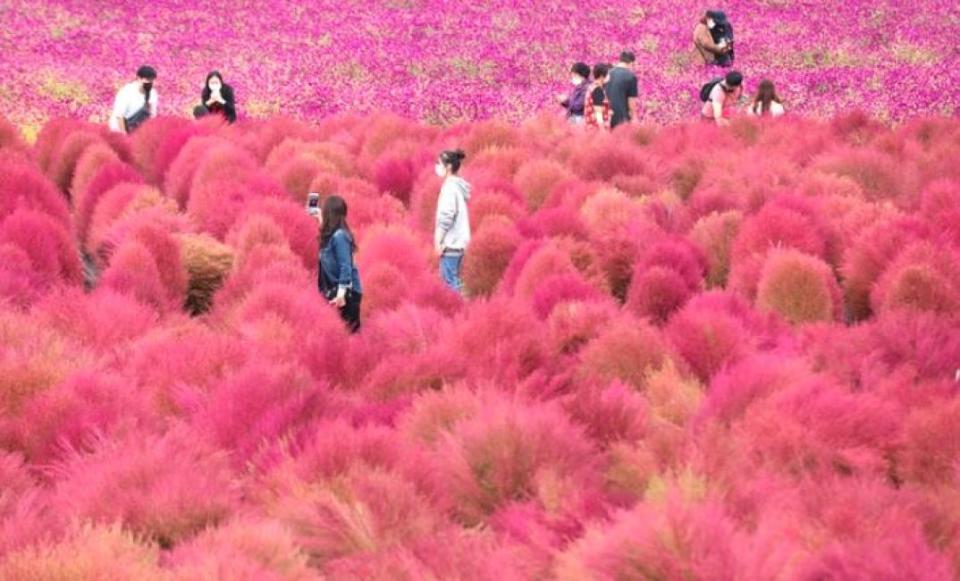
(216, 98)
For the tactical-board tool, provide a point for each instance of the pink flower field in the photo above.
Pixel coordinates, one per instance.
(443, 62)
(683, 351)
(675, 361)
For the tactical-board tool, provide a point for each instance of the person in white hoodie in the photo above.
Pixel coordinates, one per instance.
(452, 233)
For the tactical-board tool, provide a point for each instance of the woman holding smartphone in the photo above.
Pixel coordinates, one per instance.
(216, 98)
(339, 279)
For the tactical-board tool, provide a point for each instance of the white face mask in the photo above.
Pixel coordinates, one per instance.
(711, 24)
(575, 81)
(441, 170)
(215, 86)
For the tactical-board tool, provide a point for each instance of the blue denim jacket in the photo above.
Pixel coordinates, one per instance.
(336, 264)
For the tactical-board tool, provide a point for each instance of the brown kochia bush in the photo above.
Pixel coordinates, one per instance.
(491, 249)
(208, 264)
(801, 288)
(922, 278)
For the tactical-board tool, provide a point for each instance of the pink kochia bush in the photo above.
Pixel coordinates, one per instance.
(660, 367)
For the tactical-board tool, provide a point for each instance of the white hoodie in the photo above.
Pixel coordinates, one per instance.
(453, 219)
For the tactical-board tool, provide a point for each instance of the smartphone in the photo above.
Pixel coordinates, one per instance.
(313, 203)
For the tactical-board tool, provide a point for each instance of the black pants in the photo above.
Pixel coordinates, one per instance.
(350, 312)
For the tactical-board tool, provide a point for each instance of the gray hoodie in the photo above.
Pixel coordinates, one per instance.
(453, 219)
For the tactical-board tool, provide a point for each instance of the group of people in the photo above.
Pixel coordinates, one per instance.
(606, 96)
(338, 276)
(136, 101)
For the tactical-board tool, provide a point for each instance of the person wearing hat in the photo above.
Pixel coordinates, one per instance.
(713, 39)
(723, 99)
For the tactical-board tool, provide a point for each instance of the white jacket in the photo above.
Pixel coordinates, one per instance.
(453, 219)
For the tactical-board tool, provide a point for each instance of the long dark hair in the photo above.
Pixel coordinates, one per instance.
(334, 214)
(226, 91)
(766, 95)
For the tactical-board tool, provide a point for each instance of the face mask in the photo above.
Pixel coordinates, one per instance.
(575, 81)
(147, 86)
(711, 24)
(441, 170)
(215, 87)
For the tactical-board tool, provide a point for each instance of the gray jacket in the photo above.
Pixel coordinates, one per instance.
(452, 230)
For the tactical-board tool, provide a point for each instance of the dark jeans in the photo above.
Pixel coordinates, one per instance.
(350, 312)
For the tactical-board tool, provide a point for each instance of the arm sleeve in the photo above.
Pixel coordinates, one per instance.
(344, 253)
(704, 40)
(578, 102)
(230, 107)
(116, 115)
(446, 214)
(716, 101)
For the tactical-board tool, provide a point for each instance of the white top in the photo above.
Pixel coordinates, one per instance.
(776, 110)
(130, 100)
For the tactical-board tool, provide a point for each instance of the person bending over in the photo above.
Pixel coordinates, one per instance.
(135, 103)
(722, 97)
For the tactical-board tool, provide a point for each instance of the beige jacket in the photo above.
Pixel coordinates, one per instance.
(704, 43)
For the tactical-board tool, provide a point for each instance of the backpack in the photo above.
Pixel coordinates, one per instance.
(708, 88)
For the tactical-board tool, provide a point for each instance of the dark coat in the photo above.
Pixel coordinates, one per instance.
(229, 109)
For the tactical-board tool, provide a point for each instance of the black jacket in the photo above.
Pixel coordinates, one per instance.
(229, 109)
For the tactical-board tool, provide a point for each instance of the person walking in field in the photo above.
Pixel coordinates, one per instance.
(452, 232)
(575, 102)
(597, 109)
(339, 279)
(622, 91)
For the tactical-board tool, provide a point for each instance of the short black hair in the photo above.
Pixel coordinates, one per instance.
(600, 70)
(733, 79)
(627, 57)
(582, 69)
(147, 72)
(718, 16)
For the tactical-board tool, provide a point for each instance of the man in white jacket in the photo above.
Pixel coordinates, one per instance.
(135, 103)
(452, 233)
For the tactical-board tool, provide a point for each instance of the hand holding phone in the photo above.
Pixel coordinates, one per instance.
(313, 204)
